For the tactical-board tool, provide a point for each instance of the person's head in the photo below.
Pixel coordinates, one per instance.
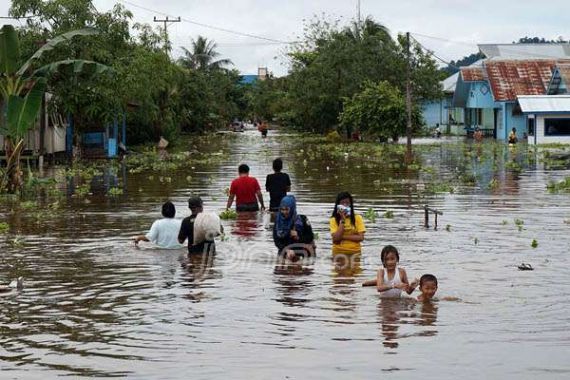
(277, 165)
(168, 210)
(243, 169)
(428, 286)
(288, 206)
(389, 256)
(344, 198)
(195, 204)
(514, 130)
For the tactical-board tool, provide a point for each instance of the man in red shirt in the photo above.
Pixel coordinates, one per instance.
(246, 191)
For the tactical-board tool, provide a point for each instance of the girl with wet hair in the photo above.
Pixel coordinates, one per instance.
(346, 227)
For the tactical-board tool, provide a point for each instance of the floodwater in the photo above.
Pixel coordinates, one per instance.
(94, 305)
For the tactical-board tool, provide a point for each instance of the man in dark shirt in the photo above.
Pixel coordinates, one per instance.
(196, 206)
(277, 184)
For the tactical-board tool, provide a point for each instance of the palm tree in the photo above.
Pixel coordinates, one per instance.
(203, 56)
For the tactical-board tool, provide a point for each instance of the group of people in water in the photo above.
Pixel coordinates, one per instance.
(292, 232)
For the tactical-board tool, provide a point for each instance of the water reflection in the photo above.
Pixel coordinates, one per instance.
(293, 284)
(246, 224)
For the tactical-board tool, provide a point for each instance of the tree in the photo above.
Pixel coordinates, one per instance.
(23, 89)
(203, 56)
(380, 110)
(332, 63)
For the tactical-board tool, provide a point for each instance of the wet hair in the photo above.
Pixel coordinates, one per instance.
(168, 210)
(344, 195)
(277, 164)
(427, 278)
(243, 168)
(389, 249)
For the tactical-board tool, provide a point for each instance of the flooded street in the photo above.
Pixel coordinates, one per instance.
(95, 305)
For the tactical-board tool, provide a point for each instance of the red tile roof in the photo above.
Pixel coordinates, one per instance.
(519, 77)
(472, 74)
(564, 71)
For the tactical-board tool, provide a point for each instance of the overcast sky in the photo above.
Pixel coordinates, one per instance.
(460, 24)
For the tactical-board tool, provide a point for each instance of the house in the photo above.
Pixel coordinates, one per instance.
(489, 94)
(548, 117)
(441, 112)
(47, 139)
(262, 74)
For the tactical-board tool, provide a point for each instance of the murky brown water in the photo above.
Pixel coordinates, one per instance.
(93, 305)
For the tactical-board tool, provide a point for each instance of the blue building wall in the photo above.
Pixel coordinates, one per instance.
(434, 112)
(480, 96)
(511, 121)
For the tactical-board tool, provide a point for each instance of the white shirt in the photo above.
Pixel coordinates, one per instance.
(164, 233)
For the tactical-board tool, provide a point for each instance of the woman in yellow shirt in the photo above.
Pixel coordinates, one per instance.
(347, 228)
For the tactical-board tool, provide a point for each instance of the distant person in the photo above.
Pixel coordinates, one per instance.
(478, 134)
(437, 131)
(163, 232)
(347, 228)
(513, 136)
(246, 192)
(391, 280)
(292, 233)
(186, 231)
(277, 184)
(263, 128)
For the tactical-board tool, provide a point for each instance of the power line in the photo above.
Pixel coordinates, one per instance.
(209, 26)
(430, 52)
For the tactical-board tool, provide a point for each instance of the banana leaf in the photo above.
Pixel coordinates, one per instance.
(22, 112)
(9, 50)
(78, 66)
(51, 44)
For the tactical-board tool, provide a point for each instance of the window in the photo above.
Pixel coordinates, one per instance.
(557, 127)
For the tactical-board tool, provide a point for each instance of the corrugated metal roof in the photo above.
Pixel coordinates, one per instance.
(564, 71)
(544, 103)
(472, 74)
(519, 77)
(449, 83)
(526, 51)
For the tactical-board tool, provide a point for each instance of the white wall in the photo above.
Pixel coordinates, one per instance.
(540, 138)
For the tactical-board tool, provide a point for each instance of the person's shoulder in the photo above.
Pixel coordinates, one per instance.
(358, 218)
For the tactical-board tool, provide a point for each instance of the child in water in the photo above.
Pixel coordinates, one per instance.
(391, 280)
(428, 287)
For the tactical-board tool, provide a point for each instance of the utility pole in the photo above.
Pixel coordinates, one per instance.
(358, 11)
(166, 21)
(408, 100)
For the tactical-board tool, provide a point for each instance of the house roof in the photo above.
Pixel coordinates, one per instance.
(508, 79)
(544, 103)
(449, 83)
(472, 74)
(525, 51)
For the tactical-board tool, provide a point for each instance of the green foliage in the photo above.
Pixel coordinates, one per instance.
(379, 109)
(331, 64)
(560, 186)
(389, 214)
(534, 243)
(228, 214)
(370, 215)
(4, 227)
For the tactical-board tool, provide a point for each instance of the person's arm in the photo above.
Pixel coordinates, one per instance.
(380, 285)
(182, 235)
(231, 198)
(337, 229)
(306, 235)
(151, 236)
(260, 197)
(370, 282)
(405, 285)
(288, 183)
(138, 238)
(267, 184)
(358, 236)
(279, 242)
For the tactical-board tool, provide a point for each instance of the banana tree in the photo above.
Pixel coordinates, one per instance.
(22, 90)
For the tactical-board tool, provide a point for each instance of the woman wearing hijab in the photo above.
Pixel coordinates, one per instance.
(292, 233)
